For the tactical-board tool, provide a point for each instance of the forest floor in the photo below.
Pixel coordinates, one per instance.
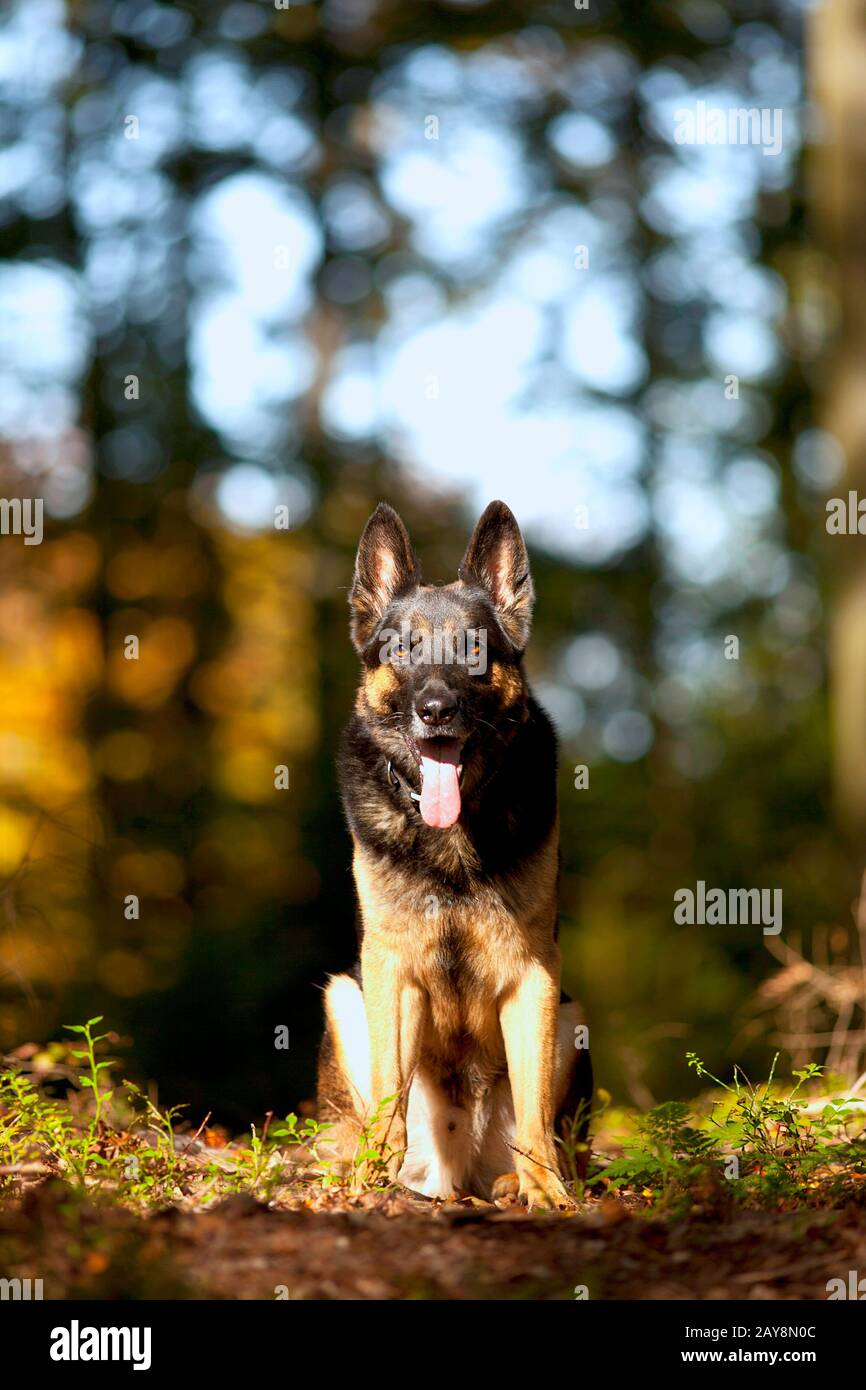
(395, 1246)
(745, 1192)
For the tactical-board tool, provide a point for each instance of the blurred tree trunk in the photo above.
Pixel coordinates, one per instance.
(838, 71)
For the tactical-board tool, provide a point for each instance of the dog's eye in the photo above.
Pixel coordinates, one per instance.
(401, 651)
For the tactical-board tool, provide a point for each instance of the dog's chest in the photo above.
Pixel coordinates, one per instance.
(465, 954)
(465, 947)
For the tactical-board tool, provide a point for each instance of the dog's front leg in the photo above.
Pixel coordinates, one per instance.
(395, 1018)
(528, 1017)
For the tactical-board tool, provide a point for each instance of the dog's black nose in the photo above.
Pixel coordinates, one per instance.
(436, 707)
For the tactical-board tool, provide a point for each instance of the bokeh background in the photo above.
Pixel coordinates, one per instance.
(320, 255)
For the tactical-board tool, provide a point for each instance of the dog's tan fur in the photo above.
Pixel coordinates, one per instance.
(512, 1005)
(509, 1005)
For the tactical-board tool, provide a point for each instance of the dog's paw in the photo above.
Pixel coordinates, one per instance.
(542, 1189)
(506, 1185)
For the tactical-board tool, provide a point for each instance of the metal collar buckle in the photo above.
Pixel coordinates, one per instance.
(397, 781)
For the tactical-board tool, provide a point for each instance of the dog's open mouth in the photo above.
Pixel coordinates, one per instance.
(441, 771)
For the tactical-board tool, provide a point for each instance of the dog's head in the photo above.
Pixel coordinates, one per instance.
(443, 691)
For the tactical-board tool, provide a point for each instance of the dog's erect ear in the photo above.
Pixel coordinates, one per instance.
(384, 566)
(496, 559)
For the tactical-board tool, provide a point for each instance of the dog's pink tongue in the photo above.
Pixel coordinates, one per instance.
(440, 789)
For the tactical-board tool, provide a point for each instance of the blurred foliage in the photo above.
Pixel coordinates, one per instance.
(167, 389)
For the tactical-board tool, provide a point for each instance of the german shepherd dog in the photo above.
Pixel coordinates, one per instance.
(450, 1042)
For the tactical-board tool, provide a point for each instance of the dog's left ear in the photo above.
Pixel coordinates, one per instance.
(496, 559)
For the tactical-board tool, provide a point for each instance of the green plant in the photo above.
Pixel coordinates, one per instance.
(666, 1154)
(374, 1159)
(34, 1131)
(758, 1143)
(781, 1144)
(307, 1134)
(575, 1150)
(87, 1151)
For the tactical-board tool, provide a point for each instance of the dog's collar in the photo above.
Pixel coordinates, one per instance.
(397, 781)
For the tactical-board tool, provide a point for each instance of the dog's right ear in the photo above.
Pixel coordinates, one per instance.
(385, 565)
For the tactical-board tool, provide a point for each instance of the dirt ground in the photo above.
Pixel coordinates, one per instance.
(393, 1246)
